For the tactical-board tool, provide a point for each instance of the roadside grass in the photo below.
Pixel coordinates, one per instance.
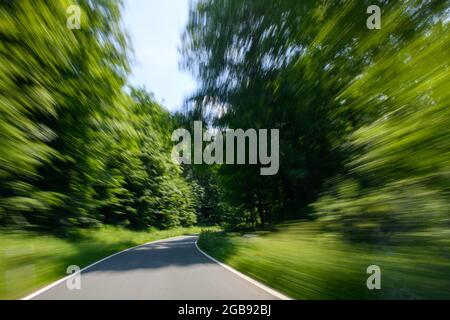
(305, 263)
(30, 261)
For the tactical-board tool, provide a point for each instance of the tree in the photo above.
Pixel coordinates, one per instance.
(76, 148)
(291, 65)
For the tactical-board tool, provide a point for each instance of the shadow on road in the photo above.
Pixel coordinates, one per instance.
(163, 254)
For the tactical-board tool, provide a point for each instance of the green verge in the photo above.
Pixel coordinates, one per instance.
(304, 262)
(30, 261)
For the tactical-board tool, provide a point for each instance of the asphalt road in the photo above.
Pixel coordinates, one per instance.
(172, 269)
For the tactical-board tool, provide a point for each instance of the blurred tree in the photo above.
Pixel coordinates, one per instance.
(209, 192)
(35, 51)
(76, 149)
(396, 181)
(291, 65)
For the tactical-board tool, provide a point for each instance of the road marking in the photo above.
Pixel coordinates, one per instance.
(253, 281)
(240, 274)
(31, 296)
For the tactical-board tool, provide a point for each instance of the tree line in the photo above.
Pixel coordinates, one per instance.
(363, 114)
(78, 147)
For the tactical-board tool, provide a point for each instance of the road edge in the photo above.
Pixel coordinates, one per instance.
(245, 277)
(53, 284)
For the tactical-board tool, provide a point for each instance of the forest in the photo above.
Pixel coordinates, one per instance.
(79, 147)
(362, 114)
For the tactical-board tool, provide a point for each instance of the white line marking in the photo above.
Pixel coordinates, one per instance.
(251, 280)
(31, 296)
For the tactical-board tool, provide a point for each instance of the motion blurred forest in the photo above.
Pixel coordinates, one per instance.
(80, 148)
(363, 118)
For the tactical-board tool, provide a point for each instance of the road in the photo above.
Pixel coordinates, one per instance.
(172, 269)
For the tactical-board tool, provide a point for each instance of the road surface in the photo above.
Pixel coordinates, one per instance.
(172, 269)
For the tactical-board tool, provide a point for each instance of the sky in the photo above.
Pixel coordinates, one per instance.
(155, 27)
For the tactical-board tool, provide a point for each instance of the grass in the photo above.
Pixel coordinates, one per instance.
(305, 263)
(30, 261)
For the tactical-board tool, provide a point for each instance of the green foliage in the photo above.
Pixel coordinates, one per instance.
(363, 114)
(147, 188)
(396, 181)
(303, 262)
(76, 148)
(211, 205)
(31, 63)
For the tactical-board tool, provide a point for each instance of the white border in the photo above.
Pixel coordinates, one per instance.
(251, 280)
(31, 296)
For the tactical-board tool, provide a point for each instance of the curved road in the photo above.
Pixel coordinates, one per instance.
(172, 269)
